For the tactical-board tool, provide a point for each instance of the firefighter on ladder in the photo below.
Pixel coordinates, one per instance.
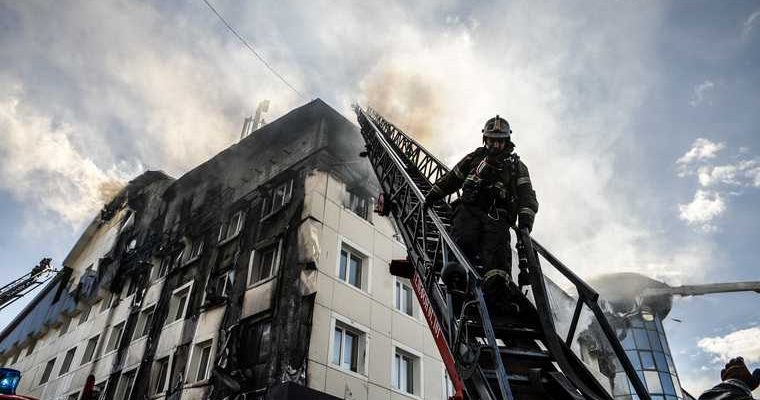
(496, 193)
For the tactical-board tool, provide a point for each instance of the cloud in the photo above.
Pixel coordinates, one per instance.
(750, 23)
(41, 166)
(701, 149)
(705, 207)
(738, 343)
(699, 93)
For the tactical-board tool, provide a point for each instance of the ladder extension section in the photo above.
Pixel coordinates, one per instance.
(517, 356)
(21, 286)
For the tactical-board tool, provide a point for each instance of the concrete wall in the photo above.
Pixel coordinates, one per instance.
(369, 310)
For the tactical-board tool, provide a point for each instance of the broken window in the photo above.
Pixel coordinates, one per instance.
(263, 263)
(256, 340)
(279, 197)
(348, 346)
(351, 267)
(357, 203)
(163, 267)
(89, 351)
(196, 249)
(67, 359)
(232, 227)
(219, 286)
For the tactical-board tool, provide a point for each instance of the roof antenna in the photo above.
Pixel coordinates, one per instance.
(250, 124)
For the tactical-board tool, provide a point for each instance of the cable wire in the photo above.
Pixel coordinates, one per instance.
(245, 42)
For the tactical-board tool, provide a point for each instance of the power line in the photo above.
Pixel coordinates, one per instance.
(234, 32)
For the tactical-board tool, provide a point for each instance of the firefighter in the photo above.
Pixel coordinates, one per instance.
(496, 193)
(737, 382)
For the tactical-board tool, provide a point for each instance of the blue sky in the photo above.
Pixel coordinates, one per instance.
(639, 121)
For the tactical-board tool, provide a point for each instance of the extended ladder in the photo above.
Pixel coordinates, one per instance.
(518, 356)
(20, 287)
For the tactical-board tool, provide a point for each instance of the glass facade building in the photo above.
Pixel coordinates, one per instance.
(647, 348)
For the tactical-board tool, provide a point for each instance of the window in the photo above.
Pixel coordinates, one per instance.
(351, 267)
(256, 340)
(48, 370)
(73, 396)
(163, 267)
(196, 249)
(125, 385)
(404, 301)
(113, 340)
(202, 360)
(219, 286)
(99, 392)
(279, 197)
(64, 326)
(178, 304)
(160, 371)
(263, 263)
(107, 301)
(348, 347)
(232, 227)
(67, 359)
(358, 204)
(89, 351)
(30, 350)
(85, 315)
(405, 377)
(144, 322)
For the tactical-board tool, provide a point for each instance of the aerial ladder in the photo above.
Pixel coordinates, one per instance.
(20, 287)
(518, 356)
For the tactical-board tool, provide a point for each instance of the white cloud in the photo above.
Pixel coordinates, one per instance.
(699, 93)
(703, 209)
(743, 343)
(750, 23)
(701, 149)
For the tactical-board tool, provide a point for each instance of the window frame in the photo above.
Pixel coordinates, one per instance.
(92, 352)
(354, 198)
(47, 371)
(268, 206)
(144, 322)
(366, 265)
(401, 303)
(156, 375)
(68, 359)
(362, 346)
(113, 344)
(415, 357)
(254, 263)
(224, 229)
(118, 394)
(189, 287)
(197, 360)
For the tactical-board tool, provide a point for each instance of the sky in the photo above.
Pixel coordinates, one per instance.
(638, 121)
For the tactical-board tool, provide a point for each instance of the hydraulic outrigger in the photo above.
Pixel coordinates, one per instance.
(520, 356)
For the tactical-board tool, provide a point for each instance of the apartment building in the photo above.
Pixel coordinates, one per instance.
(261, 273)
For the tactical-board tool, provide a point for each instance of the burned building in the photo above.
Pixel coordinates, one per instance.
(261, 273)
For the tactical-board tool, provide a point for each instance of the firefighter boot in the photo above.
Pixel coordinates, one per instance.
(497, 293)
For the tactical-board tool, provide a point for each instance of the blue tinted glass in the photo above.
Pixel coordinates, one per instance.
(642, 342)
(654, 340)
(671, 366)
(659, 360)
(664, 341)
(636, 322)
(659, 325)
(634, 357)
(667, 383)
(647, 361)
(650, 325)
(627, 342)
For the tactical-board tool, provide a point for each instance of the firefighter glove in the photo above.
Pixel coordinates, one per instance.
(737, 369)
(525, 220)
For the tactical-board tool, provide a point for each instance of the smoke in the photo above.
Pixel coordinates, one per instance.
(409, 99)
(43, 168)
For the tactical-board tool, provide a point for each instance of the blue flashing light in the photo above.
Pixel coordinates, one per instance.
(9, 380)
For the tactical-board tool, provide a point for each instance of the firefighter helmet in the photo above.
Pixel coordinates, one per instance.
(497, 128)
